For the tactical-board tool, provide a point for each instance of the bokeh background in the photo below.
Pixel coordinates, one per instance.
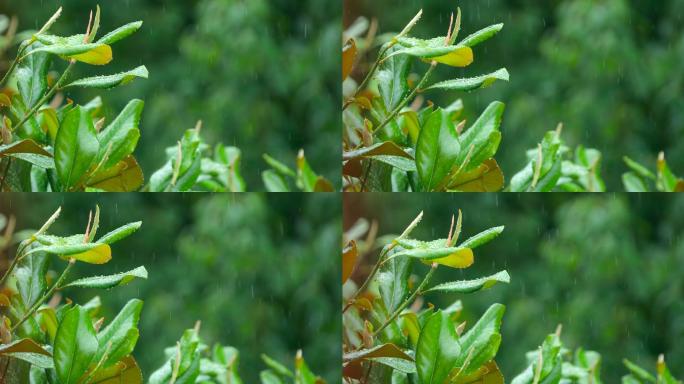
(608, 267)
(261, 271)
(610, 70)
(262, 75)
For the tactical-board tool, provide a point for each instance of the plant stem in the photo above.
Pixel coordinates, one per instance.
(47, 96)
(46, 296)
(370, 73)
(14, 64)
(370, 276)
(15, 261)
(408, 98)
(408, 301)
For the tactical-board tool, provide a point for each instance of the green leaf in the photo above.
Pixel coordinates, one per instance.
(120, 33)
(393, 282)
(306, 177)
(482, 238)
(303, 374)
(89, 53)
(76, 146)
(639, 169)
(472, 83)
(119, 337)
(92, 253)
(32, 79)
(437, 149)
(111, 81)
(438, 349)
(276, 366)
(383, 350)
(641, 374)
(482, 341)
(36, 359)
(274, 182)
(481, 35)
(279, 167)
(401, 163)
(120, 138)
(483, 136)
(30, 275)
(386, 148)
(120, 233)
(268, 377)
(633, 183)
(26, 146)
(75, 345)
(469, 286)
(109, 281)
(393, 79)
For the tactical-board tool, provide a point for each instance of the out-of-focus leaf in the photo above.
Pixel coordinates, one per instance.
(349, 255)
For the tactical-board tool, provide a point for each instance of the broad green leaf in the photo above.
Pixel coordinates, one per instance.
(482, 341)
(76, 146)
(109, 281)
(481, 35)
(393, 282)
(120, 138)
(437, 350)
(383, 350)
(75, 345)
(111, 81)
(125, 370)
(32, 78)
(31, 129)
(483, 137)
(469, 286)
(125, 176)
(401, 365)
(41, 161)
(392, 79)
(456, 257)
(437, 149)
(120, 33)
(120, 233)
(119, 337)
(401, 163)
(452, 55)
(30, 275)
(482, 238)
(274, 182)
(472, 83)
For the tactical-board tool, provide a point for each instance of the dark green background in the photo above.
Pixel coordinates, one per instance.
(263, 75)
(608, 267)
(260, 271)
(610, 70)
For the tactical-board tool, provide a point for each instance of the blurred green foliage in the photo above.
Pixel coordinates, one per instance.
(610, 70)
(263, 75)
(607, 267)
(260, 271)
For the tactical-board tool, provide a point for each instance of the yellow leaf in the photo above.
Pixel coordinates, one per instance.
(349, 255)
(461, 57)
(487, 374)
(97, 56)
(463, 258)
(125, 370)
(485, 178)
(125, 176)
(98, 255)
(348, 56)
